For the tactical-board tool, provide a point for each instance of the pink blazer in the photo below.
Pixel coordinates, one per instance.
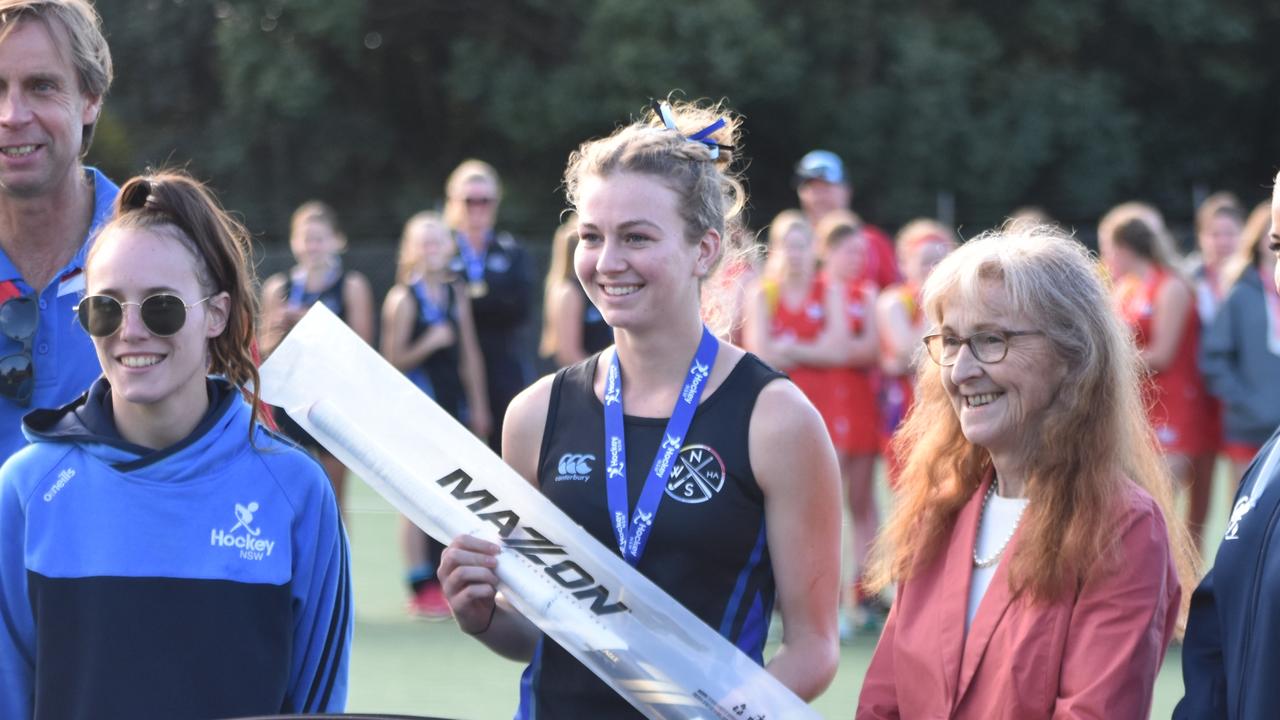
(1094, 654)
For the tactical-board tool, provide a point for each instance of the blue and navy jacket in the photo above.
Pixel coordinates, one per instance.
(1229, 663)
(62, 355)
(205, 580)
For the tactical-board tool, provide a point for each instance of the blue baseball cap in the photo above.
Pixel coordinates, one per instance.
(820, 165)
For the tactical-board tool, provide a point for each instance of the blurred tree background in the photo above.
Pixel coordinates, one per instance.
(992, 104)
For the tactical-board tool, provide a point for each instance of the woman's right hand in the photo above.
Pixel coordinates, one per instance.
(470, 581)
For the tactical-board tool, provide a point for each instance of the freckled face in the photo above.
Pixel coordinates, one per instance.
(633, 257)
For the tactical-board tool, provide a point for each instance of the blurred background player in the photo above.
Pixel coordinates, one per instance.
(317, 243)
(428, 333)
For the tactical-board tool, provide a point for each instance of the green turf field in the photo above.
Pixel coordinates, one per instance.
(405, 666)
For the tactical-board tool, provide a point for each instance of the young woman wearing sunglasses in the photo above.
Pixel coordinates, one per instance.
(161, 555)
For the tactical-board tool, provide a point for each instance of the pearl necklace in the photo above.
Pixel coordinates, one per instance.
(988, 562)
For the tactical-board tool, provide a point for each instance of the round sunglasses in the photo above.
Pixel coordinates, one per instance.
(163, 314)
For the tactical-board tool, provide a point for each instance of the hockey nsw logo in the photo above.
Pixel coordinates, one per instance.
(699, 374)
(243, 536)
(574, 467)
(698, 475)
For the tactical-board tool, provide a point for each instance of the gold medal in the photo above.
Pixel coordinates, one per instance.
(478, 289)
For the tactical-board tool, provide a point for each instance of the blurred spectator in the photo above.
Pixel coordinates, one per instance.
(922, 243)
(499, 278)
(1157, 303)
(317, 243)
(823, 187)
(428, 333)
(572, 328)
(1240, 354)
(849, 402)
(1219, 221)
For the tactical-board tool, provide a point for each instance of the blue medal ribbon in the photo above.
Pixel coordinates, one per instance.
(427, 310)
(472, 262)
(298, 286)
(633, 535)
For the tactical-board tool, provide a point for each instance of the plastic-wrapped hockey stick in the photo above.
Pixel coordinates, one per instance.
(651, 650)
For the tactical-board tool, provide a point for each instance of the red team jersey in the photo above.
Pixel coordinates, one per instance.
(843, 396)
(1178, 404)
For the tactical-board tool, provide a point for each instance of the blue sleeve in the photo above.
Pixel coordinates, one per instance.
(1203, 673)
(322, 608)
(17, 626)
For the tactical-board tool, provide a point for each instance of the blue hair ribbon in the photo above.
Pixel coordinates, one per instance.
(663, 111)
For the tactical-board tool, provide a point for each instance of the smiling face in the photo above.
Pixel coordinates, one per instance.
(316, 243)
(42, 110)
(148, 372)
(432, 247)
(633, 258)
(1000, 405)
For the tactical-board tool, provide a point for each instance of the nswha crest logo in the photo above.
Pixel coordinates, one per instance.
(697, 476)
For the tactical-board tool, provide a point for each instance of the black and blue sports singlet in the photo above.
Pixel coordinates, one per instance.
(708, 545)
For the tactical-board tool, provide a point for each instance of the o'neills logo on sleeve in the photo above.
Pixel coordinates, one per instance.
(243, 536)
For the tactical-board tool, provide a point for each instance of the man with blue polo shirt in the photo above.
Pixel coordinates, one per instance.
(55, 68)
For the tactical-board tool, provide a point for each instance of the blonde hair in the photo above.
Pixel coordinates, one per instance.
(560, 270)
(82, 25)
(407, 256)
(709, 192)
(1075, 487)
(469, 170)
(1253, 242)
(779, 228)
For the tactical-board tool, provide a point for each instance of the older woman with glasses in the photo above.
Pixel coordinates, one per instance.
(1037, 577)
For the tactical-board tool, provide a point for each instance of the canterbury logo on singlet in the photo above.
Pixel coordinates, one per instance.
(574, 467)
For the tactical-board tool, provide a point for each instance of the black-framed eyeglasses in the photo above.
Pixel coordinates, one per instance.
(18, 320)
(163, 314)
(990, 346)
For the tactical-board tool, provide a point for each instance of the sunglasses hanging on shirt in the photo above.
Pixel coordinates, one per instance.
(18, 320)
